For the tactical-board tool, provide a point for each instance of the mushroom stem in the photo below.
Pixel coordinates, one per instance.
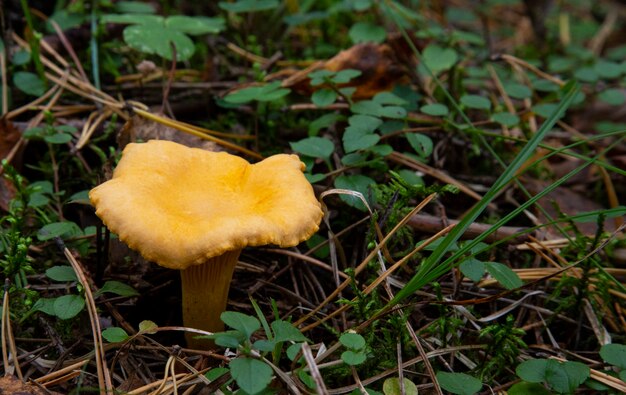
(205, 293)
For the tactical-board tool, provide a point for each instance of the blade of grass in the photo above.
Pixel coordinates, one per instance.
(507, 176)
(444, 266)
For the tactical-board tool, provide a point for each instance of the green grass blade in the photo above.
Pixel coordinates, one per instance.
(439, 270)
(507, 176)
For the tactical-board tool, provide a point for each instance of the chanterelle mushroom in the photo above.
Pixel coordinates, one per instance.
(195, 210)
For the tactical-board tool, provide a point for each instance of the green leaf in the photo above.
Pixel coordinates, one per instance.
(20, 58)
(410, 177)
(366, 32)
(244, 323)
(324, 97)
(36, 132)
(394, 112)
(353, 341)
(367, 107)
(439, 59)
(66, 20)
(565, 377)
(421, 143)
(524, 388)
(307, 379)
(366, 123)
(244, 95)
(61, 273)
(358, 183)
(157, 39)
(272, 91)
(353, 358)
(58, 138)
(117, 288)
(518, 91)
(268, 92)
(613, 97)
(505, 276)
(505, 118)
(459, 383)
(249, 5)
(319, 77)
(344, 76)
(315, 147)
(293, 351)
(391, 386)
(195, 25)
(228, 339)
(371, 108)
(45, 305)
(216, 373)
(134, 7)
(147, 326)
(388, 98)
(29, 83)
(476, 102)
(251, 375)
(381, 149)
(324, 121)
(354, 159)
(58, 229)
(614, 354)
(606, 69)
(133, 19)
(264, 345)
(545, 86)
(355, 138)
(435, 110)
(532, 370)
(473, 269)
(68, 306)
(313, 178)
(545, 109)
(586, 74)
(115, 334)
(80, 197)
(285, 331)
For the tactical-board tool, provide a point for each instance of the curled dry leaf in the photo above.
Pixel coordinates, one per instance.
(141, 129)
(380, 70)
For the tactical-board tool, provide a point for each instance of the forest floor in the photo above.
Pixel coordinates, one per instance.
(469, 159)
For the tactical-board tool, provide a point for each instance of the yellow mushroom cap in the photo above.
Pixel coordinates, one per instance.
(180, 206)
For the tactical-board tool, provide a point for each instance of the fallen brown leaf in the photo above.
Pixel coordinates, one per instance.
(12, 385)
(380, 70)
(141, 129)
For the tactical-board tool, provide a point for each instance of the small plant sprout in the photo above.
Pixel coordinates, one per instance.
(194, 211)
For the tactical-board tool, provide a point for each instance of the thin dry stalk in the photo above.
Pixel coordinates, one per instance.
(405, 364)
(307, 259)
(45, 380)
(320, 387)
(441, 176)
(5, 87)
(91, 127)
(375, 251)
(148, 387)
(608, 26)
(104, 378)
(5, 309)
(514, 61)
(69, 48)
